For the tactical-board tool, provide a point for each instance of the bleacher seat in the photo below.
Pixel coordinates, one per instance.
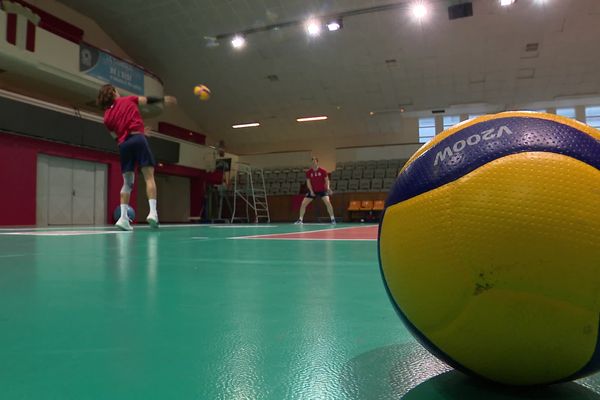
(353, 185)
(300, 176)
(357, 173)
(291, 177)
(335, 175)
(295, 188)
(382, 164)
(333, 185)
(347, 174)
(376, 184)
(379, 173)
(364, 185)
(275, 188)
(366, 205)
(391, 172)
(342, 186)
(354, 205)
(285, 188)
(371, 165)
(388, 183)
(368, 173)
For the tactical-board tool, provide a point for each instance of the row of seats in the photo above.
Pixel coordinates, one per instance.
(359, 173)
(366, 205)
(341, 186)
(372, 164)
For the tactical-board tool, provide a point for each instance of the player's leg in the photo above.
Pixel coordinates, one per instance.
(329, 208)
(146, 161)
(305, 202)
(127, 168)
(148, 173)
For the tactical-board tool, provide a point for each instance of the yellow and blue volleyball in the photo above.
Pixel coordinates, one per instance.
(489, 247)
(202, 92)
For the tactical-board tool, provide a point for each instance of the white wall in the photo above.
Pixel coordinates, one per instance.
(289, 159)
(401, 151)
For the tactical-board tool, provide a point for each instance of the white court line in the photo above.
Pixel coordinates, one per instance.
(63, 233)
(295, 233)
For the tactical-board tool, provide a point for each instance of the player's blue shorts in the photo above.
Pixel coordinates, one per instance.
(317, 194)
(135, 150)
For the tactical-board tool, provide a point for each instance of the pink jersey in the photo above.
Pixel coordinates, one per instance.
(124, 117)
(317, 179)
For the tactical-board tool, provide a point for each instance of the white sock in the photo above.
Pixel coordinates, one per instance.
(333, 218)
(300, 219)
(124, 208)
(152, 203)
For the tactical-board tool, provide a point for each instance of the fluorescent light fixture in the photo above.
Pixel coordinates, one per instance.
(248, 125)
(334, 25)
(308, 119)
(238, 42)
(419, 10)
(505, 3)
(313, 27)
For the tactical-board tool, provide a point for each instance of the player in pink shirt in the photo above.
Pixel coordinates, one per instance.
(317, 182)
(123, 119)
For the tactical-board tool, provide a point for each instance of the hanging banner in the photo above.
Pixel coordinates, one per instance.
(99, 64)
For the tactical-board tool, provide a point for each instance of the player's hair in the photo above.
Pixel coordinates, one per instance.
(106, 96)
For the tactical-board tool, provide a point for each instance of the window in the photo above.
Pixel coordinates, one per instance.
(450, 121)
(471, 116)
(426, 129)
(592, 116)
(568, 112)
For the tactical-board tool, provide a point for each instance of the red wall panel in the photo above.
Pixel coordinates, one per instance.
(18, 175)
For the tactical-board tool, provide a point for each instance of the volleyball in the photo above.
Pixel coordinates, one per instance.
(202, 92)
(130, 213)
(489, 247)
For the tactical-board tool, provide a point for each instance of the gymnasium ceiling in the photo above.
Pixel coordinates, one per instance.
(380, 62)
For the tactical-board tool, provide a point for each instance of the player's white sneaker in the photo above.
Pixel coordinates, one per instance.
(123, 224)
(152, 220)
(299, 222)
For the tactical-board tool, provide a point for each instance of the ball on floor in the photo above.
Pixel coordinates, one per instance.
(490, 247)
(130, 213)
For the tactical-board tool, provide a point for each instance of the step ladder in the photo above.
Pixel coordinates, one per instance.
(249, 190)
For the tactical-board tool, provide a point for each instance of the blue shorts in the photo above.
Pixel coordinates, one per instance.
(135, 150)
(317, 194)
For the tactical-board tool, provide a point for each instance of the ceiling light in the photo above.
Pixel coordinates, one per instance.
(313, 27)
(505, 3)
(307, 119)
(238, 42)
(334, 25)
(419, 10)
(248, 125)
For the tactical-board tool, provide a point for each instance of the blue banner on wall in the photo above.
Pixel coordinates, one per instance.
(119, 73)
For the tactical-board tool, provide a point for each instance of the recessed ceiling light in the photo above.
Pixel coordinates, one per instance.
(419, 10)
(505, 3)
(313, 27)
(247, 125)
(238, 42)
(308, 119)
(334, 25)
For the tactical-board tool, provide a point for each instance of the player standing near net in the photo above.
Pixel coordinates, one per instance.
(317, 182)
(123, 119)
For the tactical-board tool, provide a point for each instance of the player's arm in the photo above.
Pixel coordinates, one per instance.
(167, 100)
(309, 186)
(327, 189)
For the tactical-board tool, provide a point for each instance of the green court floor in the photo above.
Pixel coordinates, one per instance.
(189, 313)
